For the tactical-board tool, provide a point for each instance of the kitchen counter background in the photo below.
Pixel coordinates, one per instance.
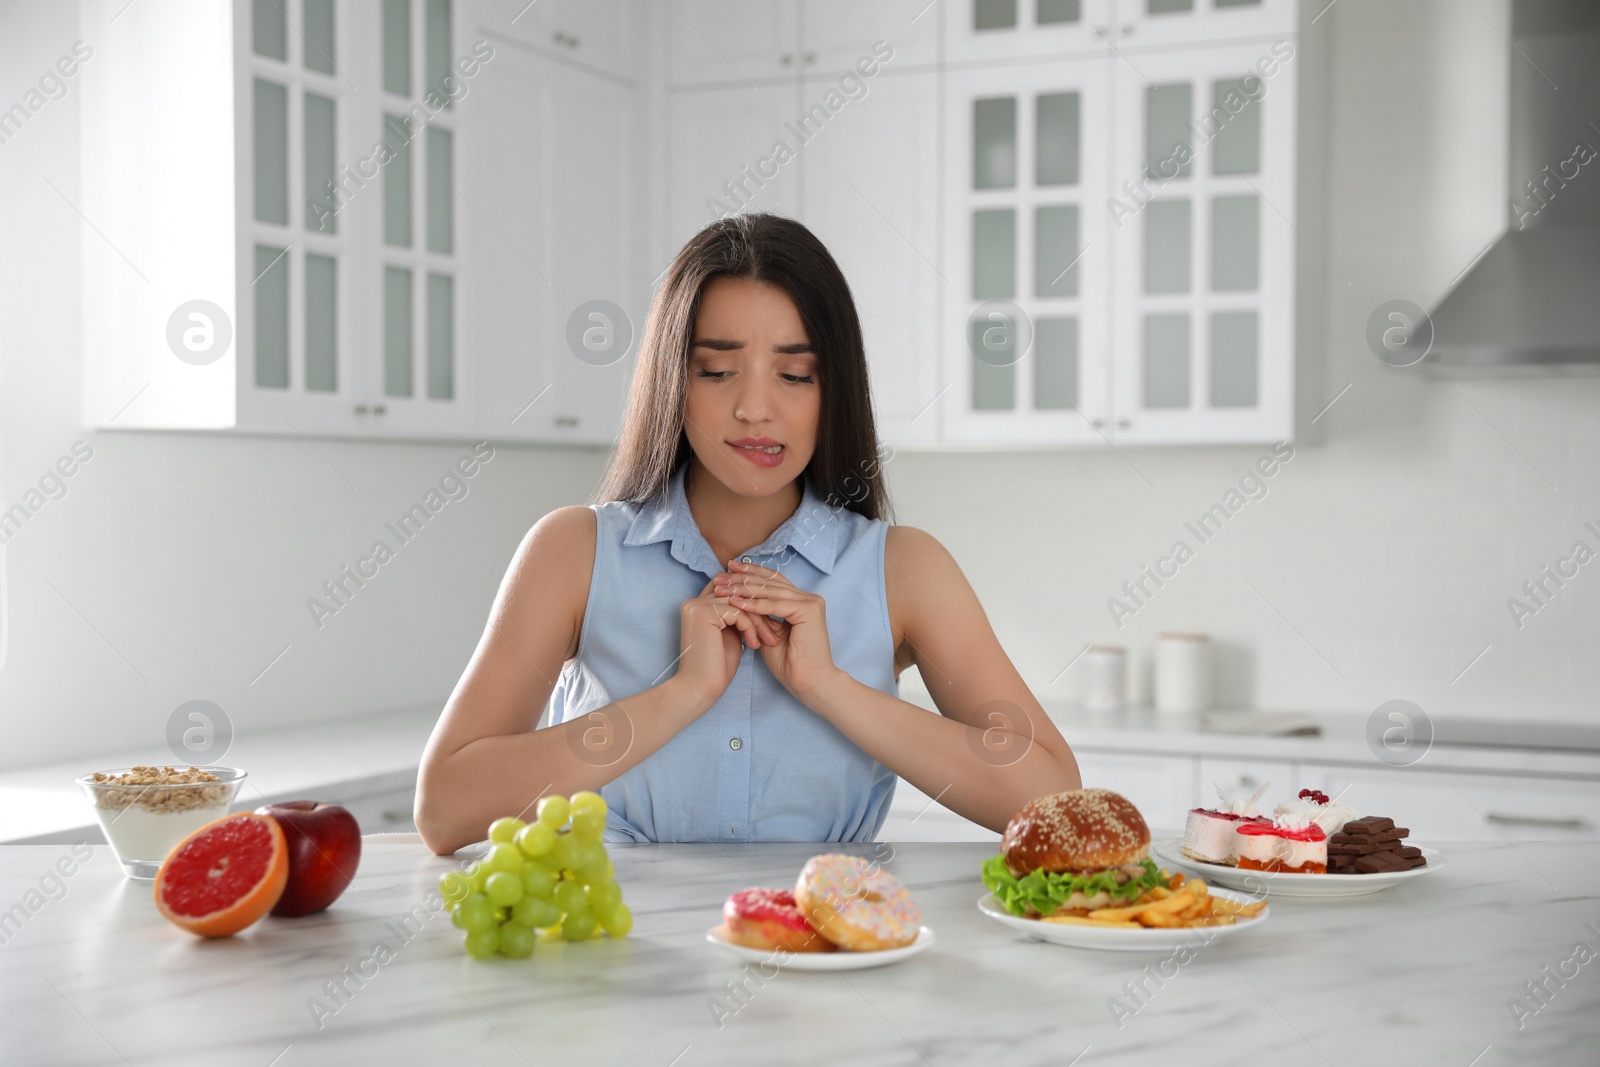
(377, 755)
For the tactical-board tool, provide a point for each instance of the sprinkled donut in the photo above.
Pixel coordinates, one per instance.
(856, 905)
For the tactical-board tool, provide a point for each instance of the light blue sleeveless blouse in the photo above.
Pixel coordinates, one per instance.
(759, 765)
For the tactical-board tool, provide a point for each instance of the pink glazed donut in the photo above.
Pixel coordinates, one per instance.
(856, 905)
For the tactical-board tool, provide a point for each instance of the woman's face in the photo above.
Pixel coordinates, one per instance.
(752, 379)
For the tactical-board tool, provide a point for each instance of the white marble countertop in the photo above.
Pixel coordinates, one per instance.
(1422, 973)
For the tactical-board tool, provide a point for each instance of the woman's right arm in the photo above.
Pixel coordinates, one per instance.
(485, 758)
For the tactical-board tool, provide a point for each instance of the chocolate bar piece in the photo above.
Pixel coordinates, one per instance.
(1377, 862)
(1409, 852)
(1369, 824)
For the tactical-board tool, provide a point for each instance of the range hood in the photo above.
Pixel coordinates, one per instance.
(1531, 303)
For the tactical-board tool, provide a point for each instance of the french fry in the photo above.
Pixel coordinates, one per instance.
(1160, 893)
(1178, 899)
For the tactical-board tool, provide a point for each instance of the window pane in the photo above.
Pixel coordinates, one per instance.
(1056, 139)
(1055, 248)
(319, 35)
(438, 69)
(322, 196)
(397, 183)
(1235, 243)
(441, 336)
(1166, 246)
(1166, 7)
(397, 47)
(1166, 361)
(1054, 11)
(994, 143)
(1167, 109)
(269, 33)
(322, 324)
(1055, 363)
(994, 373)
(272, 152)
(1236, 118)
(272, 317)
(994, 253)
(396, 331)
(994, 14)
(441, 202)
(1233, 359)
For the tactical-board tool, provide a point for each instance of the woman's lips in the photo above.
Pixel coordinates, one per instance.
(760, 457)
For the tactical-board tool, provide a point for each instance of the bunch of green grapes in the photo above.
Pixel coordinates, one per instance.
(548, 877)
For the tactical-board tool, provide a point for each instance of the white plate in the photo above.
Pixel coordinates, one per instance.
(823, 961)
(1278, 884)
(1118, 939)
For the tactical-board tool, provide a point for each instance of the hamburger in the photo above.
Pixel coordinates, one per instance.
(1069, 853)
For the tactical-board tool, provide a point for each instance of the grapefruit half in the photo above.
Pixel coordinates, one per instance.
(225, 875)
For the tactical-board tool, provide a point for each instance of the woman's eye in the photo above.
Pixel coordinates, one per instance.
(799, 379)
(713, 373)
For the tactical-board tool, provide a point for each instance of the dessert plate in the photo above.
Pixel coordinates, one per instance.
(1169, 851)
(1119, 939)
(823, 961)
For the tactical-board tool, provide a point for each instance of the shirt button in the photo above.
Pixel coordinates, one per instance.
(744, 559)
(735, 744)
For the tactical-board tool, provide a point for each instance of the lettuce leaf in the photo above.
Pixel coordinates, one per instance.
(1043, 892)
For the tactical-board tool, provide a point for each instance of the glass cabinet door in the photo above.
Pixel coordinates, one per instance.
(1194, 22)
(1027, 326)
(1203, 192)
(995, 31)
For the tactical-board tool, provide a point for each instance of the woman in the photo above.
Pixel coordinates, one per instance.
(745, 498)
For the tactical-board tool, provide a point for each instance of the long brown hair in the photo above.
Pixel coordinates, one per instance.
(845, 467)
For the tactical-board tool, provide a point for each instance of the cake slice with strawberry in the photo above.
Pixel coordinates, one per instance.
(1289, 844)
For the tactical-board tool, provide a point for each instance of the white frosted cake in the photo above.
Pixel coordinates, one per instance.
(1211, 834)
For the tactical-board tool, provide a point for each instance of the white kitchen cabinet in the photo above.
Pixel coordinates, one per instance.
(881, 224)
(556, 214)
(1151, 23)
(716, 41)
(1458, 806)
(835, 34)
(721, 157)
(1027, 253)
(325, 246)
(991, 31)
(1239, 780)
(1202, 246)
(1161, 787)
(606, 36)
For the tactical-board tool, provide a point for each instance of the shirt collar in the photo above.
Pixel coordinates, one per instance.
(812, 530)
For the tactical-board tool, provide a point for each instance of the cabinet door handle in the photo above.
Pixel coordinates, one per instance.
(1123, 424)
(1247, 780)
(1571, 822)
(786, 59)
(566, 420)
(361, 409)
(379, 409)
(811, 57)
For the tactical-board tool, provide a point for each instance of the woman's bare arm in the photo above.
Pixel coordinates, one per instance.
(485, 759)
(992, 749)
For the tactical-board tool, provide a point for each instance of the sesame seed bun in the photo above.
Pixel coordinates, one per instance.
(1079, 830)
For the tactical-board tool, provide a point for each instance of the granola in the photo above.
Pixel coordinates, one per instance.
(162, 790)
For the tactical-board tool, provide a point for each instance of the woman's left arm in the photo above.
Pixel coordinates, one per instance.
(991, 750)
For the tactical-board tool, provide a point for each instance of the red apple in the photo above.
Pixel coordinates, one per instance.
(324, 850)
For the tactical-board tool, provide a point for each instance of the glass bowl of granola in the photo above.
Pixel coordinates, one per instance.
(145, 811)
